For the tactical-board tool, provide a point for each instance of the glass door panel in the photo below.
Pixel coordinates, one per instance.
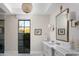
(24, 36)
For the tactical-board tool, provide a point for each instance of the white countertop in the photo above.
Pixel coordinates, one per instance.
(60, 48)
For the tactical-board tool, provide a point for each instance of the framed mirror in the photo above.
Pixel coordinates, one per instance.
(62, 26)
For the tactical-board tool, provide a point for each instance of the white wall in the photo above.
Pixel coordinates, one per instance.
(38, 22)
(11, 32)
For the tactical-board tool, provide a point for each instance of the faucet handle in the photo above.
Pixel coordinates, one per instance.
(52, 41)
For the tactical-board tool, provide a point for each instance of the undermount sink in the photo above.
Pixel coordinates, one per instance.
(57, 43)
(51, 42)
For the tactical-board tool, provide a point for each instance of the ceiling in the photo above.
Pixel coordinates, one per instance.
(38, 8)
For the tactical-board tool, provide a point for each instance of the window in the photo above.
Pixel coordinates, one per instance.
(24, 26)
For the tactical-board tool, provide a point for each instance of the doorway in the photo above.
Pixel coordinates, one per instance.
(1, 36)
(24, 36)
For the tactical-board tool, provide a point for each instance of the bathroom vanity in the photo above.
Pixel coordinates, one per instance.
(55, 49)
(67, 46)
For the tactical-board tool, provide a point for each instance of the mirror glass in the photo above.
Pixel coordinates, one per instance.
(62, 26)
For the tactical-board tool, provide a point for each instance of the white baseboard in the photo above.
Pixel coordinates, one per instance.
(15, 53)
(11, 53)
(36, 53)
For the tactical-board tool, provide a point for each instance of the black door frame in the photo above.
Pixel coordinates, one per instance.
(4, 35)
(24, 26)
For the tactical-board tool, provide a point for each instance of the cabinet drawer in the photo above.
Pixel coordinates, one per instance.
(47, 51)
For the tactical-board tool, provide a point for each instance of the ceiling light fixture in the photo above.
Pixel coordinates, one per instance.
(27, 7)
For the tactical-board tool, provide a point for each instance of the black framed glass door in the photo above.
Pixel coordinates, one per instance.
(24, 36)
(1, 36)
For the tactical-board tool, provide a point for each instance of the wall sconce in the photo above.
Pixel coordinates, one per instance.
(72, 23)
(61, 7)
(72, 18)
(51, 27)
(77, 23)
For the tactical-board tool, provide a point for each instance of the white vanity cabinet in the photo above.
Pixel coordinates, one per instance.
(57, 53)
(47, 50)
(50, 49)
